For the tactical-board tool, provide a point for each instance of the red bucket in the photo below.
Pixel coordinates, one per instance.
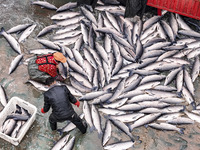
(189, 8)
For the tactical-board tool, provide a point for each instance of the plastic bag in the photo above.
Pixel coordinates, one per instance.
(36, 74)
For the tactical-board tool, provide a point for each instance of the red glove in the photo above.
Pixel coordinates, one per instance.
(77, 103)
(42, 110)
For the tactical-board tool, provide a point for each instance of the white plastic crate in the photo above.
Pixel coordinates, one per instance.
(9, 108)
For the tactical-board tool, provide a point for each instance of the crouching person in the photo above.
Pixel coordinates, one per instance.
(59, 98)
(44, 66)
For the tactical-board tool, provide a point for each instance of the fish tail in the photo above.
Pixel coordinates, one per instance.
(2, 30)
(60, 131)
(100, 135)
(181, 131)
(193, 104)
(92, 129)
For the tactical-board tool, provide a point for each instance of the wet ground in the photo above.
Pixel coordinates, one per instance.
(40, 137)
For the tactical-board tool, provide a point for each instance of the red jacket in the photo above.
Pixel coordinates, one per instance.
(47, 63)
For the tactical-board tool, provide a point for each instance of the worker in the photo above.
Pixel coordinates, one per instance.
(59, 98)
(44, 66)
(132, 7)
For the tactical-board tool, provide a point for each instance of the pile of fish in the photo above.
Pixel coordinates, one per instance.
(14, 123)
(134, 72)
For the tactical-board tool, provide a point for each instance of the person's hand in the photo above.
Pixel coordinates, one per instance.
(42, 110)
(77, 103)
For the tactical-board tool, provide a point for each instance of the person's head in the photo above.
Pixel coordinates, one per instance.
(59, 57)
(50, 81)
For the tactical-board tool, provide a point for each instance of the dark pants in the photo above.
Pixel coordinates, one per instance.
(75, 119)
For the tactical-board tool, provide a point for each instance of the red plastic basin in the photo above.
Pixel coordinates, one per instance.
(189, 8)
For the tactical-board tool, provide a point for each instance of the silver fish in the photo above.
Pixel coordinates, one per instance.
(96, 120)
(47, 29)
(38, 85)
(89, 15)
(48, 44)
(68, 28)
(119, 145)
(87, 115)
(144, 120)
(14, 64)
(18, 28)
(67, 6)
(166, 126)
(3, 97)
(11, 40)
(188, 82)
(70, 144)
(195, 69)
(44, 4)
(68, 34)
(64, 15)
(107, 132)
(26, 33)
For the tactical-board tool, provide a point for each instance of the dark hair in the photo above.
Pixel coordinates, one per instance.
(49, 80)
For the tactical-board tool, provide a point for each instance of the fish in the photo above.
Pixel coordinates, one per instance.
(70, 126)
(192, 116)
(81, 79)
(123, 127)
(64, 15)
(70, 21)
(67, 6)
(113, 20)
(126, 118)
(38, 85)
(168, 30)
(120, 145)
(18, 28)
(89, 15)
(188, 82)
(106, 133)
(47, 29)
(48, 44)
(195, 69)
(3, 96)
(11, 40)
(144, 120)
(70, 144)
(85, 33)
(15, 62)
(87, 115)
(166, 126)
(150, 22)
(44, 4)
(74, 91)
(116, 103)
(69, 34)
(68, 41)
(67, 28)
(26, 33)
(96, 120)
(181, 22)
(61, 142)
